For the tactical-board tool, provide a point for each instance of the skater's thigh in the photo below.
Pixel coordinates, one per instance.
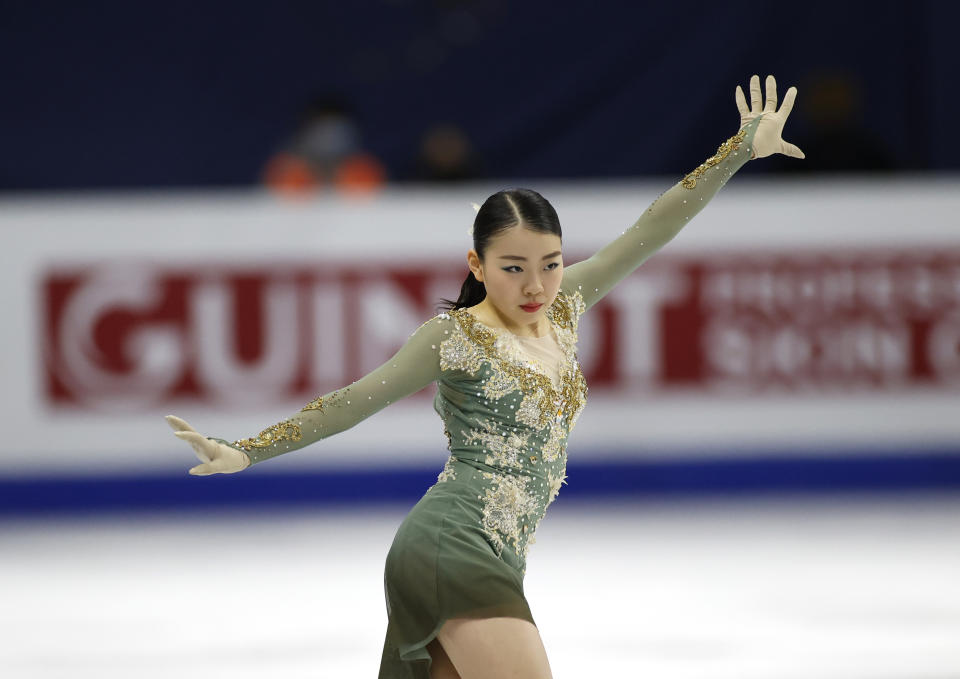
(495, 648)
(441, 667)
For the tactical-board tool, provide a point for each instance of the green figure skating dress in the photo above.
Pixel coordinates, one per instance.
(462, 550)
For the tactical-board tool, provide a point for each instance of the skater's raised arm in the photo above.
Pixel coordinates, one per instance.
(415, 365)
(759, 136)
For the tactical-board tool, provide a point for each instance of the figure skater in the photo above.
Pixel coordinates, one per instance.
(509, 391)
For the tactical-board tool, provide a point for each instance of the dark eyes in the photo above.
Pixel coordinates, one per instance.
(550, 267)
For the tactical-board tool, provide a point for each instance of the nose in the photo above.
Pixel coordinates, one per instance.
(533, 286)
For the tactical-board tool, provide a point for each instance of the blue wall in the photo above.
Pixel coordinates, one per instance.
(118, 94)
(810, 472)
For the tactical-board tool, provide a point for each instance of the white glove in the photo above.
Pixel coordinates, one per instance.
(766, 140)
(216, 457)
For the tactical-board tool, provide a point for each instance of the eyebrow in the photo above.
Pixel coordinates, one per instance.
(523, 259)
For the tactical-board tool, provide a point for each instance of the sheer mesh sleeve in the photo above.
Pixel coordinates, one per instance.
(666, 216)
(415, 365)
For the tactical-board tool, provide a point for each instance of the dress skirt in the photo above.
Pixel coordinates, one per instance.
(441, 565)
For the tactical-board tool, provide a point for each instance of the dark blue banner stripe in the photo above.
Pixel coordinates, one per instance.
(936, 470)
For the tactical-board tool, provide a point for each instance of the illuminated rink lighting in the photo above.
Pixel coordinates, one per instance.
(765, 588)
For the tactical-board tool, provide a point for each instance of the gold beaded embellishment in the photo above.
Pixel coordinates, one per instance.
(448, 473)
(504, 450)
(315, 404)
(319, 402)
(507, 504)
(555, 482)
(690, 181)
(511, 375)
(565, 315)
(282, 431)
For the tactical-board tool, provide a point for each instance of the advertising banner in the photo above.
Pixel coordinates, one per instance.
(784, 332)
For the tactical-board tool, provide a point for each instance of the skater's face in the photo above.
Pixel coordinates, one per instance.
(520, 267)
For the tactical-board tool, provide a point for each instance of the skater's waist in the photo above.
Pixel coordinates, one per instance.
(483, 467)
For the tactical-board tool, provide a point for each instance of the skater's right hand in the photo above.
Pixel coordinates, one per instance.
(216, 457)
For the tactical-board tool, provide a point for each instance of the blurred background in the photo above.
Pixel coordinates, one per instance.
(223, 210)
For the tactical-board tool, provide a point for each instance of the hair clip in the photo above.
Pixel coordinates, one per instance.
(476, 208)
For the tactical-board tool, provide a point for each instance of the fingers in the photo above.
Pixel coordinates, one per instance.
(192, 437)
(792, 151)
(755, 94)
(201, 446)
(222, 465)
(177, 424)
(201, 470)
(788, 100)
(771, 104)
(741, 102)
(206, 470)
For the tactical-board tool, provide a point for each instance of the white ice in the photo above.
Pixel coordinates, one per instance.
(757, 588)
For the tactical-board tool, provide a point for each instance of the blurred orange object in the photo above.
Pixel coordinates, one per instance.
(288, 173)
(360, 172)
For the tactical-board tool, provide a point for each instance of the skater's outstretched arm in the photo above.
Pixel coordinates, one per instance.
(759, 136)
(415, 365)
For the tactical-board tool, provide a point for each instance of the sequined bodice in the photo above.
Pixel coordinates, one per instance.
(506, 421)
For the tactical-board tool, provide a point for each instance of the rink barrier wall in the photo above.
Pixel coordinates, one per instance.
(792, 320)
(932, 469)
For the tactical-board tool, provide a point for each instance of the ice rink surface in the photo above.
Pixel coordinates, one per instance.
(814, 588)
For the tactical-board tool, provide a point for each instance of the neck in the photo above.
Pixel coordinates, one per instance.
(536, 328)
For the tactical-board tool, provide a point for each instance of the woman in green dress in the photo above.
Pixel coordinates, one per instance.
(509, 391)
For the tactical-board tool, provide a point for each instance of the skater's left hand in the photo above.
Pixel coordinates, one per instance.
(767, 140)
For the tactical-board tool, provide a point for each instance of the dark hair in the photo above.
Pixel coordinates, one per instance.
(501, 211)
